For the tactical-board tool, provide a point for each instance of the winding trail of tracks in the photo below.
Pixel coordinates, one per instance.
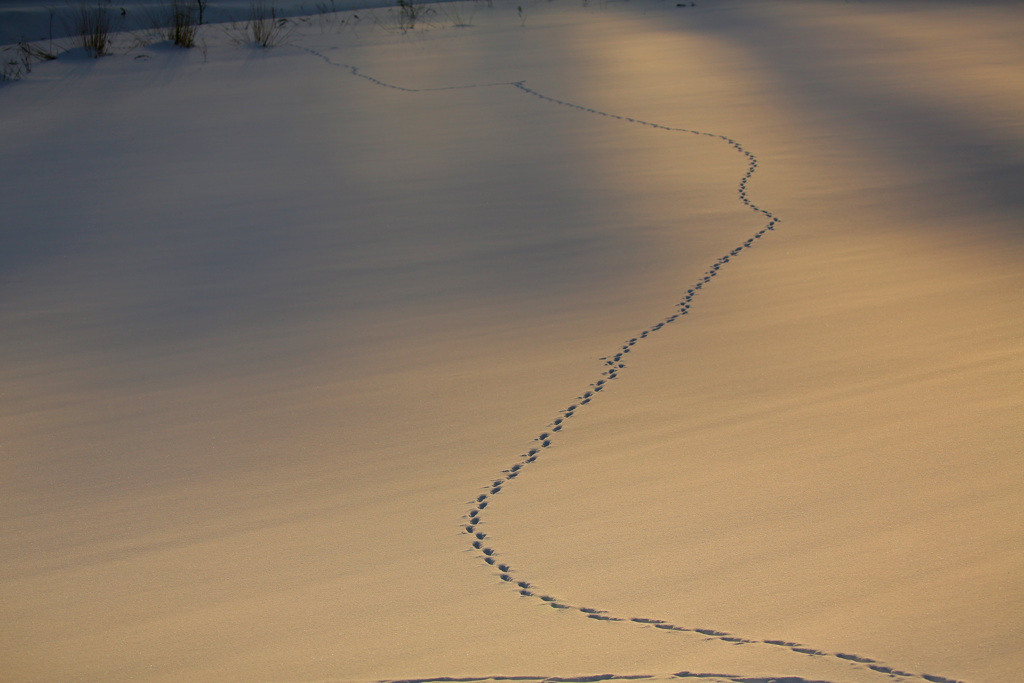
(473, 524)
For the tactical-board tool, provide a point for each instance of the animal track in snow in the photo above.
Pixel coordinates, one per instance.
(614, 362)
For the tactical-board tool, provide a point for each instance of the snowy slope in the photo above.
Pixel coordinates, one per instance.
(278, 322)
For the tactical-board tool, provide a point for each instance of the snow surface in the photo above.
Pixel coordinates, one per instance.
(277, 322)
